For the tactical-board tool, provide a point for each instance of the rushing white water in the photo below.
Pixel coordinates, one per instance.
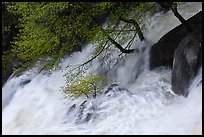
(141, 103)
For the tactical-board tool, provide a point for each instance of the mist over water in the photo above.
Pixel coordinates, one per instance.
(139, 102)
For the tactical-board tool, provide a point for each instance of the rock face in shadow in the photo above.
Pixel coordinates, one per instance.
(162, 52)
(180, 51)
(187, 61)
(6, 75)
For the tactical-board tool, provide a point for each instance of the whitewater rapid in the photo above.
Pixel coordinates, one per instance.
(142, 105)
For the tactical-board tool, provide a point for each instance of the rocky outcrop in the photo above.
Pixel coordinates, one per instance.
(162, 52)
(87, 110)
(187, 61)
(180, 51)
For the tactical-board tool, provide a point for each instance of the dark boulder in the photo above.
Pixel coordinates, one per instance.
(187, 61)
(161, 53)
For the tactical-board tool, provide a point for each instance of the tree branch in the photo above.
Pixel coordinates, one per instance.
(112, 30)
(80, 65)
(146, 11)
(136, 25)
(173, 7)
(107, 35)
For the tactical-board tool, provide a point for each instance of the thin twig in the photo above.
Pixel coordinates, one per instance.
(146, 11)
(120, 30)
(80, 65)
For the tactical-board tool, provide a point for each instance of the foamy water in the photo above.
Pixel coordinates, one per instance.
(141, 103)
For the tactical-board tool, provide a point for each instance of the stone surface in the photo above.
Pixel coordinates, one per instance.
(186, 62)
(161, 53)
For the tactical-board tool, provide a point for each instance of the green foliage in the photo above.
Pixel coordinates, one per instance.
(179, 3)
(50, 30)
(87, 85)
(53, 30)
(9, 31)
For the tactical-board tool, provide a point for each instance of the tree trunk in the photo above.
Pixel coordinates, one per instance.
(173, 7)
(136, 25)
(115, 43)
(119, 46)
(112, 40)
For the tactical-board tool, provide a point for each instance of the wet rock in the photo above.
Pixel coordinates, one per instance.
(187, 62)
(71, 108)
(25, 82)
(88, 117)
(110, 88)
(81, 111)
(87, 110)
(199, 83)
(162, 52)
(114, 90)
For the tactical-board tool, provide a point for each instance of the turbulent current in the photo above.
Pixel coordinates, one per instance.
(138, 102)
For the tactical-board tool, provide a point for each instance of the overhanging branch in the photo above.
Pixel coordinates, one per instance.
(107, 35)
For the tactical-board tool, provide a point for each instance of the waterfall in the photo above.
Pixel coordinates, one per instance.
(139, 102)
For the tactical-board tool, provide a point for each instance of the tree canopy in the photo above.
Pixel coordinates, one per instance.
(53, 30)
(50, 31)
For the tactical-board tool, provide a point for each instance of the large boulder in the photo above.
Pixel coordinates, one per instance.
(186, 62)
(162, 52)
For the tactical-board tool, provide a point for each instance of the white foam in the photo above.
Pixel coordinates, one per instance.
(148, 108)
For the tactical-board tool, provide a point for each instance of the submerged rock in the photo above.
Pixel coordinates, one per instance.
(71, 108)
(113, 90)
(81, 111)
(110, 88)
(187, 62)
(87, 110)
(25, 82)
